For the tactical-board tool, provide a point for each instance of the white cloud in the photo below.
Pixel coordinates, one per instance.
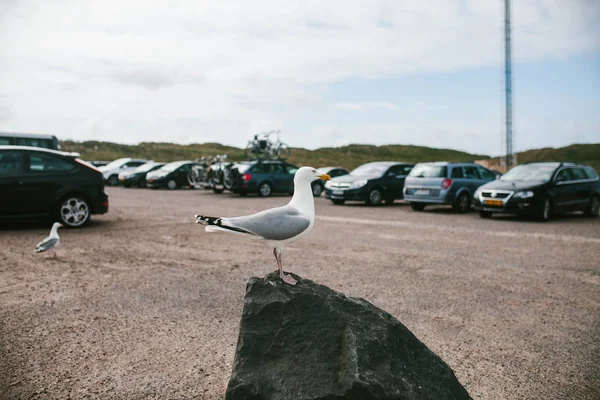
(220, 70)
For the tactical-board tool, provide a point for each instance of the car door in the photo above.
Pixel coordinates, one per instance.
(45, 175)
(181, 175)
(12, 195)
(472, 178)
(394, 181)
(583, 188)
(280, 178)
(564, 193)
(290, 171)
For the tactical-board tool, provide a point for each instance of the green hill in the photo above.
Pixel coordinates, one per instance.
(349, 156)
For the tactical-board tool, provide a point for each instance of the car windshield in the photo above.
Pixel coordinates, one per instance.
(145, 167)
(170, 167)
(541, 173)
(116, 163)
(429, 171)
(370, 170)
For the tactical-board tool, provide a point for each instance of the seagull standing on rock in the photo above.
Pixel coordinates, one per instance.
(51, 241)
(276, 226)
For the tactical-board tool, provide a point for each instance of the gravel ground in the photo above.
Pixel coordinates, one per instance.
(142, 304)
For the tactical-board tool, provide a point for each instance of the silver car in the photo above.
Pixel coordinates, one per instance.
(445, 183)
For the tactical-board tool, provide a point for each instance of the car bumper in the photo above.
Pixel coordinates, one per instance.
(156, 183)
(434, 196)
(129, 181)
(100, 205)
(513, 206)
(348, 194)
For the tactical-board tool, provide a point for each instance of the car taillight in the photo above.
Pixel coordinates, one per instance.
(446, 183)
(246, 177)
(86, 164)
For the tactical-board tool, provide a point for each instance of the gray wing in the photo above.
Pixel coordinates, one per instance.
(46, 244)
(276, 224)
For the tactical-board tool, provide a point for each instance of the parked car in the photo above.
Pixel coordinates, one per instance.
(263, 177)
(29, 139)
(445, 183)
(372, 183)
(541, 190)
(172, 176)
(112, 170)
(99, 163)
(137, 177)
(36, 182)
(318, 186)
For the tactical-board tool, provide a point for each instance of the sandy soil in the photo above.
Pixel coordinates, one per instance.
(142, 304)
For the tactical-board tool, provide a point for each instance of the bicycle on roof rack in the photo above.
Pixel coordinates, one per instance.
(263, 148)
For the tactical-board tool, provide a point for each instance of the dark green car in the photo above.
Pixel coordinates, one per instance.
(263, 177)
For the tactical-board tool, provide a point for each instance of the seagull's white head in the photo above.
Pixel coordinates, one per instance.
(309, 174)
(57, 225)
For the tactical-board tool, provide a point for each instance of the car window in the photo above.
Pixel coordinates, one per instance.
(590, 172)
(134, 164)
(278, 169)
(40, 162)
(578, 174)
(44, 143)
(291, 169)
(259, 168)
(10, 162)
(186, 168)
(564, 175)
(336, 172)
(457, 172)
(4, 141)
(394, 170)
(471, 173)
(406, 169)
(429, 171)
(486, 173)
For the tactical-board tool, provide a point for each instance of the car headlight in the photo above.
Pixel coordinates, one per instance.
(524, 194)
(358, 184)
(328, 185)
(477, 193)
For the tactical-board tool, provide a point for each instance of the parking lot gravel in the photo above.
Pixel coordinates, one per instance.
(143, 304)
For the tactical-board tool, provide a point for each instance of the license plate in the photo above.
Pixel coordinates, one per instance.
(422, 192)
(488, 202)
(338, 192)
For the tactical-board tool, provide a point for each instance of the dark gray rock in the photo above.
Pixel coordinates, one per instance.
(310, 342)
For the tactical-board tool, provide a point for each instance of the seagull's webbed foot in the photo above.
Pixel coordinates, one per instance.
(288, 279)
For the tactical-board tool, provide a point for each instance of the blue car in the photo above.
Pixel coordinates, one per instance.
(263, 177)
(445, 183)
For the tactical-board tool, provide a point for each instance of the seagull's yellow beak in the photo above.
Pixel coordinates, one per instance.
(325, 177)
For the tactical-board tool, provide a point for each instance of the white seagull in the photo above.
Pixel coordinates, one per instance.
(276, 226)
(51, 241)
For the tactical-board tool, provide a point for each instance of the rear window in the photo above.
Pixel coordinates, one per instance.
(242, 168)
(429, 171)
(579, 174)
(48, 163)
(590, 172)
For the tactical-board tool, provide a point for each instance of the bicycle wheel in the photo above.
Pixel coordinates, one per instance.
(283, 152)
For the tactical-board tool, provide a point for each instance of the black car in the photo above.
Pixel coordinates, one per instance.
(137, 177)
(541, 190)
(263, 177)
(372, 183)
(172, 175)
(36, 182)
(318, 186)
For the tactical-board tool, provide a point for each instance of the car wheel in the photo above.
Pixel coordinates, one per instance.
(171, 184)
(113, 180)
(264, 189)
(462, 203)
(593, 209)
(317, 189)
(375, 197)
(338, 202)
(74, 211)
(544, 214)
(417, 206)
(485, 214)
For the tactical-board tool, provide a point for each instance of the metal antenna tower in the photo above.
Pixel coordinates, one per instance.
(508, 85)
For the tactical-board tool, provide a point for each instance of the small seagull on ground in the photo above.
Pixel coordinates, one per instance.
(276, 226)
(51, 241)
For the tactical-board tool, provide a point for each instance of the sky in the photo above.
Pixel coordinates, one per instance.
(325, 73)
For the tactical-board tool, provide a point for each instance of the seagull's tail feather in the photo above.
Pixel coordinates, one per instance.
(215, 224)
